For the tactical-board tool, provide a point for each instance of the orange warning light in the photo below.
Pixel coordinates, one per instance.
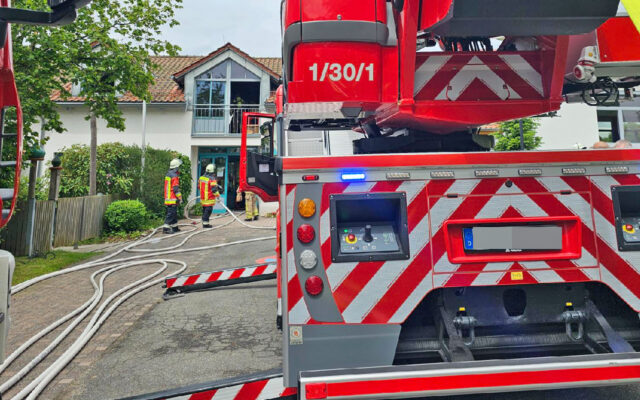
(307, 208)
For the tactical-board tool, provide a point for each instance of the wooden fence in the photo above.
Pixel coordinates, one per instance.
(74, 219)
(14, 237)
(80, 218)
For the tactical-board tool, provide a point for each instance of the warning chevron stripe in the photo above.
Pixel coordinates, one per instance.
(228, 275)
(418, 269)
(469, 77)
(266, 389)
(612, 264)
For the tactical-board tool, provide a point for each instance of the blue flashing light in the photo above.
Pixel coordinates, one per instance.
(353, 176)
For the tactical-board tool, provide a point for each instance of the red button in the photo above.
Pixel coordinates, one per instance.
(628, 227)
(351, 237)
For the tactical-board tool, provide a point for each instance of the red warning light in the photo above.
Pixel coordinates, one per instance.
(306, 233)
(314, 285)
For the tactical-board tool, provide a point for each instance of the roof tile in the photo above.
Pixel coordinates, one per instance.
(165, 89)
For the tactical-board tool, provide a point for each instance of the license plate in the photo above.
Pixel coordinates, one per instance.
(520, 238)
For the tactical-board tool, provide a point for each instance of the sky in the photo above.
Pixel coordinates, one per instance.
(251, 25)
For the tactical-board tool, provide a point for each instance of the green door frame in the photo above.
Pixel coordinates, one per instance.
(223, 197)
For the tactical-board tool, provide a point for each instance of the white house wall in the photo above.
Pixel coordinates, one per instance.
(576, 125)
(168, 127)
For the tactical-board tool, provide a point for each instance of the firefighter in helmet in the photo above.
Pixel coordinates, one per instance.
(172, 196)
(209, 194)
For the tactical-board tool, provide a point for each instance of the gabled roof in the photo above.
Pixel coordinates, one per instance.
(166, 89)
(270, 69)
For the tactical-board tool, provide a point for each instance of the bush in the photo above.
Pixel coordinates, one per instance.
(125, 216)
(118, 169)
(42, 188)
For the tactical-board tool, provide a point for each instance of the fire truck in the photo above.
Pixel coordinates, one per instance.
(413, 261)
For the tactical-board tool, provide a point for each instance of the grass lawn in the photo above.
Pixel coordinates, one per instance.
(27, 268)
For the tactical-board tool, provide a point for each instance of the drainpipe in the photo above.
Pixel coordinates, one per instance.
(144, 140)
(39, 172)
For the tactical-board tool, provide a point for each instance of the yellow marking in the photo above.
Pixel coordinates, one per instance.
(569, 304)
(633, 8)
(517, 276)
(632, 230)
(462, 309)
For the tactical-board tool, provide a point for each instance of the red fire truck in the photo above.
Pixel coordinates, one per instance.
(416, 262)
(413, 261)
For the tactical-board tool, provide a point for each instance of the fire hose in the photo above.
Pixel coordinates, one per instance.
(111, 265)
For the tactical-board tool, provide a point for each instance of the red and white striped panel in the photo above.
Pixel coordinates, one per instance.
(469, 77)
(259, 390)
(223, 275)
(387, 292)
(620, 270)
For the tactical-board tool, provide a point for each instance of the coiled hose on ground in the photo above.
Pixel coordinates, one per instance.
(110, 265)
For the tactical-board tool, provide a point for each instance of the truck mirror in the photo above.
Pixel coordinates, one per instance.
(67, 3)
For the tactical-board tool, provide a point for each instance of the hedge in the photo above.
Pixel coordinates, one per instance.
(119, 171)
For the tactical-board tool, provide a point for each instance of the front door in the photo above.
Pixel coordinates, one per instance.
(220, 162)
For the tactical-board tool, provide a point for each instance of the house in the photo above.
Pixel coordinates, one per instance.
(196, 109)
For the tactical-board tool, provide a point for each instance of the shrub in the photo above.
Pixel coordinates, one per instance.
(125, 216)
(118, 169)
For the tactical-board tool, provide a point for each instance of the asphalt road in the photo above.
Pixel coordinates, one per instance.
(230, 331)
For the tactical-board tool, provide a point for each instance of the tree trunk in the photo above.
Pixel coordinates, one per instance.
(93, 167)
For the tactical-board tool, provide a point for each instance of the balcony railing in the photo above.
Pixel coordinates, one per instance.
(220, 119)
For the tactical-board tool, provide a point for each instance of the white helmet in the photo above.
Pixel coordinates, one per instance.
(210, 168)
(175, 163)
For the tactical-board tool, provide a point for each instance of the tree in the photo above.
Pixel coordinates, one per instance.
(105, 53)
(508, 137)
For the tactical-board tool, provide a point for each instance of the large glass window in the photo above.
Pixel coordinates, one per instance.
(222, 94)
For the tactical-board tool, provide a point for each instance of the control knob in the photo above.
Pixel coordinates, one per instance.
(367, 234)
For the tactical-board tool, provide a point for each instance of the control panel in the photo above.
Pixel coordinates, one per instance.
(631, 229)
(369, 227)
(626, 207)
(368, 238)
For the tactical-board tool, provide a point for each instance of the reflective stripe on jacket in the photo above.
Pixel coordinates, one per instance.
(172, 188)
(208, 190)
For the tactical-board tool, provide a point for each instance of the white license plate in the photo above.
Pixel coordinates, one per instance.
(513, 238)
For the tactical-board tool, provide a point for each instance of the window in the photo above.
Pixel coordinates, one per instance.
(608, 126)
(222, 94)
(239, 72)
(631, 120)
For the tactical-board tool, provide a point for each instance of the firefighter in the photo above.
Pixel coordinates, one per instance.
(209, 194)
(250, 205)
(172, 196)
